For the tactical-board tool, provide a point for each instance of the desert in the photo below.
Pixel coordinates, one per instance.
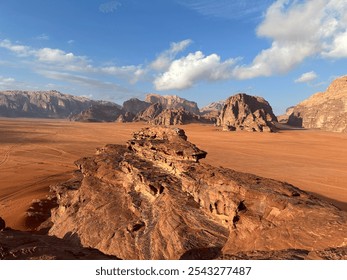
(39, 153)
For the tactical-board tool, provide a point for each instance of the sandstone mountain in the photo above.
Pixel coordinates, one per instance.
(324, 110)
(102, 112)
(213, 107)
(284, 118)
(154, 199)
(177, 117)
(41, 104)
(245, 112)
(173, 102)
(135, 106)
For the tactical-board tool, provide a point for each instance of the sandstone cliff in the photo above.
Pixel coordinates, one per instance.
(135, 106)
(41, 104)
(103, 112)
(173, 102)
(153, 199)
(324, 110)
(245, 112)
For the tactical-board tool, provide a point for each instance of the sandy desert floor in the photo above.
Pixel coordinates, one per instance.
(37, 153)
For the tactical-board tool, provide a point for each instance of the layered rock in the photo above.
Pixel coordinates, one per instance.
(284, 118)
(135, 106)
(173, 102)
(245, 112)
(324, 110)
(41, 104)
(178, 117)
(107, 112)
(17, 245)
(212, 110)
(153, 199)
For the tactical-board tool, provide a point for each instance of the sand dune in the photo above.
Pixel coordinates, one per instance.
(37, 153)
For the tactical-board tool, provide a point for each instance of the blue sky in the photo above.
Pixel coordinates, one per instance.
(202, 50)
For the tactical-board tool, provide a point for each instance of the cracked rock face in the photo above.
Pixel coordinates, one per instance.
(245, 112)
(154, 199)
(324, 110)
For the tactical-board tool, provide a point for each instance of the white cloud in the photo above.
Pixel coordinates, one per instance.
(306, 77)
(83, 80)
(132, 73)
(109, 7)
(298, 30)
(20, 50)
(184, 72)
(163, 61)
(5, 81)
(42, 37)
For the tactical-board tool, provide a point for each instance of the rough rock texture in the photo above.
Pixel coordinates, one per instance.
(177, 117)
(214, 106)
(245, 112)
(153, 199)
(173, 102)
(41, 104)
(284, 118)
(212, 111)
(324, 110)
(126, 117)
(150, 113)
(135, 106)
(99, 113)
(17, 245)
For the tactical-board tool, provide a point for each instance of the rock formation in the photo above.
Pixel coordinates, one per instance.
(150, 113)
(17, 245)
(135, 106)
(245, 112)
(284, 118)
(212, 111)
(41, 104)
(173, 102)
(177, 117)
(154, 199)
(324, 110)
(104, 112)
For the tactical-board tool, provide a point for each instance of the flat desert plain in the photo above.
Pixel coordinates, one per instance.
(36, 153)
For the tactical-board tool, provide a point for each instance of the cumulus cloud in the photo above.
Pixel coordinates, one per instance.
(20, 50)
(109, 7)
(306, 77)
(184, 72)
(298, 29)
(162, 62)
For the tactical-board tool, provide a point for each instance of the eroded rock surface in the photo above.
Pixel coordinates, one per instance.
(154, 199)
(245, 112)
(17, 245)
(324, 110)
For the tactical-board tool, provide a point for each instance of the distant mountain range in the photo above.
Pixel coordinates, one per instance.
(326, 111)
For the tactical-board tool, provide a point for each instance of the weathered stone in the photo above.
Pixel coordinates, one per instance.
(17, 245)
(153, 199)
(99, 113)
(324, 110)
(245, 112)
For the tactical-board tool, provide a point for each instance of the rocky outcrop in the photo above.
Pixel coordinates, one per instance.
(212, 111)
(107, 112)
(150, 113)
(324, 110)
(41, 104)
(173, 102)
(154, 199)
(17, 245)
(135, 106)
(178, 117)
(284, 118)
(245, 112)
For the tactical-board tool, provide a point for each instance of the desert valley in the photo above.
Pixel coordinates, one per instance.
(163, 179)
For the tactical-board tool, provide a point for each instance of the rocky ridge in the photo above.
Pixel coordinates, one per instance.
(324, 110)
(245, 112)
(154, 199)
(41, 104)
